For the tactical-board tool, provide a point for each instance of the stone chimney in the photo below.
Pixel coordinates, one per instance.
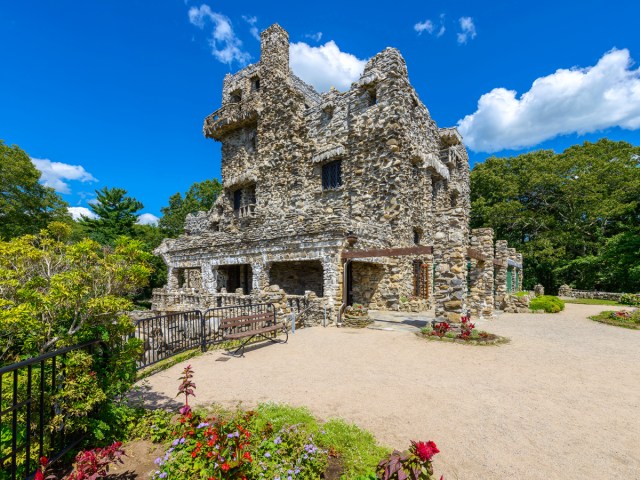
(274, 50)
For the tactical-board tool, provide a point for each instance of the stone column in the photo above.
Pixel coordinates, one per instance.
(481, 299)
(500, 279)
(209, 277)
(521, 272)
(512, 257)
(260, 272)
(451, 278)
(332, 283)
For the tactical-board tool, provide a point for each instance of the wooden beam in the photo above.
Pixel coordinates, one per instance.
(387, 252)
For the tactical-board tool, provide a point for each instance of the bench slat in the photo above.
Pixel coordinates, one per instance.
(248, 333)
(237, 321)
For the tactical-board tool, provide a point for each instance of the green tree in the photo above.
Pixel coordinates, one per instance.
(116, 215)
(26, 206)
(575, 215)
(53, 292)
(200, 197)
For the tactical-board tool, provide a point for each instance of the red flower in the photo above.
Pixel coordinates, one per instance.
(425, 451)
(194, 453)
(247, 455)
(43, 461)
(39, 475)
(225, 467)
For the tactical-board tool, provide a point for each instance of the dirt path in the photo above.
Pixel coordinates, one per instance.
(561, 401)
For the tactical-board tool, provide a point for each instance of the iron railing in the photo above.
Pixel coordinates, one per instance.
(164, 336)
(32, 419)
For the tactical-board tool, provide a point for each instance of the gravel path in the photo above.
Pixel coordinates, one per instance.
(561, 401)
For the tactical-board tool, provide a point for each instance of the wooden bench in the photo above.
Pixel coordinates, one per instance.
(249, 327)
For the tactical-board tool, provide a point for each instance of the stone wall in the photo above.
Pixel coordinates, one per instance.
(568, 292)
(297, 277)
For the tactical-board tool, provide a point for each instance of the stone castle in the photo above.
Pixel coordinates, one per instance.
(337, 198)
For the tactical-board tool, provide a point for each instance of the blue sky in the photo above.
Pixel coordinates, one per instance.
(114, 93)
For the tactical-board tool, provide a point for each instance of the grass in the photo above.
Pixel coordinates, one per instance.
(615, 319)
(357, 448)
(592, 301)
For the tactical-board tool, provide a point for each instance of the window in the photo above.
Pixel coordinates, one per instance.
(236, 96)
(332, 175)
(255, 84)
(372, 97)
(326, 116)
(244, 201)
(417, 236)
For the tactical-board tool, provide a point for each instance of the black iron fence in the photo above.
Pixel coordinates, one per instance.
(32, 414)
(164, 336)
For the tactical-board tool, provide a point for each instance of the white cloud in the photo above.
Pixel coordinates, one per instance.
(226, 47)
(325, 66)
(147, 219)
(252, 21)
(468, 30)
(314, 36)
(426, 26)
(78, 212)
(577, 100)
(54, 174)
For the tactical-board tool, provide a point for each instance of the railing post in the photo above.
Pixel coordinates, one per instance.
(203, 330)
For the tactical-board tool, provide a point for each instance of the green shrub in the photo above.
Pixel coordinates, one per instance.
(632, 299)
(548, 303)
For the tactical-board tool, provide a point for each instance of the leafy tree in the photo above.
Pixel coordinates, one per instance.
(53, 292)
(200, 197)
(575, 216)
(116, 214)
(26, 206)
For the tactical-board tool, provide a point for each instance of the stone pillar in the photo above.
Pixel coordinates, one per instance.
(451, 278)
(512, 257)
(209, 277)
(521, 272)
(481, 300)
(500, 279)
(260, 273)
(332, 284)
(173, 278)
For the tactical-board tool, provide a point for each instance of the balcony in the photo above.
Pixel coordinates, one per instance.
(246, 211)
(230, 117)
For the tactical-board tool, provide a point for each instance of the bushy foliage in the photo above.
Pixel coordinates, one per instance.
(55, 293)
(26, 206)
(200, 197)
(548, 303)
(630, 299)
(575, 216)
(89, 464)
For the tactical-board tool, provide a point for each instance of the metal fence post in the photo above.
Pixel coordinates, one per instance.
(203, 330)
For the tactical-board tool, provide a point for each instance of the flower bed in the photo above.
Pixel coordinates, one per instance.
(273, 442)
(621, 318)
(467, 334)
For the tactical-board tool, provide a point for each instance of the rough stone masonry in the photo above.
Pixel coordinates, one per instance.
(309, 176)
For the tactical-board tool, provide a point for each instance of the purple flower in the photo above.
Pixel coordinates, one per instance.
(182, 440)
(277, 441)
(203, 424)
(157, 461)
(175, 442)
(163, 475)
(268, 455)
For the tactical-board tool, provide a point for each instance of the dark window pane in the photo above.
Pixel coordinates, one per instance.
(332, 175)
(237, 199)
